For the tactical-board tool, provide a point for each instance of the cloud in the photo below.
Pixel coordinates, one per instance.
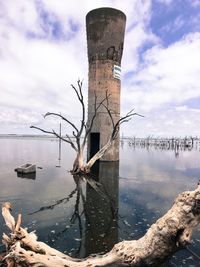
(36, 73)
(164, 123)
(43, 50)
(159, 88)
(167, 75)
(195, 3)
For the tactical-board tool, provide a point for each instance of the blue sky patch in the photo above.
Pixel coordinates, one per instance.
(193, 103)
(172, 22)
(52, 26)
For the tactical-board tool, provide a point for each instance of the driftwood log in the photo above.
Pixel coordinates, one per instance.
(167, 235)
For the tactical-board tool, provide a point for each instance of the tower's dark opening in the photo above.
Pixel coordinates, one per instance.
(94, 143)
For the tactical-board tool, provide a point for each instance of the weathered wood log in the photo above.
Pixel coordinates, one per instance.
(167, 235)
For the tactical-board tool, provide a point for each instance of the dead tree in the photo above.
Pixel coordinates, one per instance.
(80, 134)
(167, 235)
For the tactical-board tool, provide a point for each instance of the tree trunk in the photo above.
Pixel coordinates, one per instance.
(170, 233)
(98, 155)
(78, 165)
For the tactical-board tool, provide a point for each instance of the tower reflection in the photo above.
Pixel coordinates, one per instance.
(101, 210)
(92, 226)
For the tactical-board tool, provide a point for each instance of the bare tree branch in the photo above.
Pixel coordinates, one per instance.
(81, 100)
(57, 135)
(63, 118)
(88, 128)
(79, 145)
(113, 135)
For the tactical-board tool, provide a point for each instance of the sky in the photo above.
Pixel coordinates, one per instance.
(43, 51)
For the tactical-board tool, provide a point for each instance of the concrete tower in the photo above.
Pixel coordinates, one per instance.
(105, 38)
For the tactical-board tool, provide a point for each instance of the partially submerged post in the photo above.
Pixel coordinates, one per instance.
(105, 38)
(59, 152)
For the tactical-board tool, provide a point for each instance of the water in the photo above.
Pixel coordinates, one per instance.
(80, 217)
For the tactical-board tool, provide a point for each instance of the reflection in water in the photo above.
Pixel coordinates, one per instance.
(102, 213)
(59, 147)
(52, 206)
(31, 175)
(174, 144)
(81, 216)
(95, 211)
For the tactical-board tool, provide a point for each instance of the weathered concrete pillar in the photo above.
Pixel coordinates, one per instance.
(105, 38)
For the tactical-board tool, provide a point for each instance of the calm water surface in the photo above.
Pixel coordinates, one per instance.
(80, 217)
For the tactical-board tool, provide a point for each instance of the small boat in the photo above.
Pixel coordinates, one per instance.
(26, 168)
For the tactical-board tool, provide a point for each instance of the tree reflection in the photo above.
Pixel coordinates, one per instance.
(95, 212)
(50, 207)
(177, 145)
